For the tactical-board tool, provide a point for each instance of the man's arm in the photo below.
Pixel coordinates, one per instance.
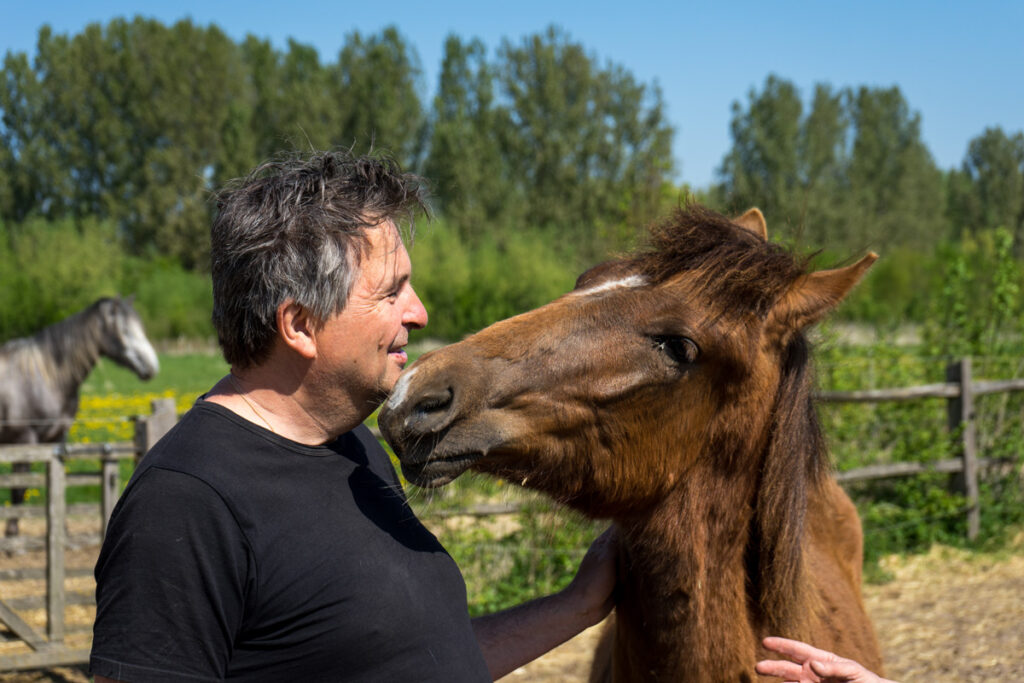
(520, 634)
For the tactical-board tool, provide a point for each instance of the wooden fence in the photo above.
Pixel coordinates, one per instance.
(48, 649)
(959, 391)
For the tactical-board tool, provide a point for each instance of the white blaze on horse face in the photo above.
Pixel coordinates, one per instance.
(622, 283)
(401, 389)
(140, 351)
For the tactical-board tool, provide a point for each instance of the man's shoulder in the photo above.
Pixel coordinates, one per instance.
(204, 444)
(204, 427)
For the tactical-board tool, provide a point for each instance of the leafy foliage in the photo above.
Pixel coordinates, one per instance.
(468, 285)
(851, 173)
(43, 265)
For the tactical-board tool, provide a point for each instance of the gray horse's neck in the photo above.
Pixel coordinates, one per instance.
(73, 345)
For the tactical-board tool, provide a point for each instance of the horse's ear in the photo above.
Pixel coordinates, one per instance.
(753, 221)
(814, 295)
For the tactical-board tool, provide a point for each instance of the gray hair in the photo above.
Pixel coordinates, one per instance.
(295, 229)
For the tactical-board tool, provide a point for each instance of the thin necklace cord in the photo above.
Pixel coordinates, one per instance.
(241, 394)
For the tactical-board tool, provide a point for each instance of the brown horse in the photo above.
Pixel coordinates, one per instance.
(670, 392)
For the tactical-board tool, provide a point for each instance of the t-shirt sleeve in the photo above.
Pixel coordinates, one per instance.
(172, 580)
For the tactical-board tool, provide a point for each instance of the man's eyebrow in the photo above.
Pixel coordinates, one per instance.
(399, 281)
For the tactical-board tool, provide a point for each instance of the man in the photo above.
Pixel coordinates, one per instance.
(266, 537)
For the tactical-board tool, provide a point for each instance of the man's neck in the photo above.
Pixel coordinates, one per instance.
(286, 411)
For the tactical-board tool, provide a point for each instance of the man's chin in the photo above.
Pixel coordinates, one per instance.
(389, 380)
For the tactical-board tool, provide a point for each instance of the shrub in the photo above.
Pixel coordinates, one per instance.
(172, 301)
(467, 286)
(51, 269)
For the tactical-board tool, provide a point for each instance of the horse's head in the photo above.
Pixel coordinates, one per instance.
(607, 397)
(123, 339)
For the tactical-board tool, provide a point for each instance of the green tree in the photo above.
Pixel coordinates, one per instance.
(895, 187)
(762, 167)
(31, 166)
(588, 146)
(125, 122)
(376, 85)
(852, 173)
(466, 167)
(295, 104)
(823, 158)
(988, 190)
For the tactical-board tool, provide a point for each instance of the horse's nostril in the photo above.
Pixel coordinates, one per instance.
(431, 412)
(434, 402)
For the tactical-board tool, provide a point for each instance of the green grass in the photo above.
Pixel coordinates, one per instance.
(192, 372)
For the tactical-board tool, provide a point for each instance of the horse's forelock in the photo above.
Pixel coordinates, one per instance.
(733, 267)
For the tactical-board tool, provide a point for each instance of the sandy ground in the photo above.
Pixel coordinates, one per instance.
(945, 616)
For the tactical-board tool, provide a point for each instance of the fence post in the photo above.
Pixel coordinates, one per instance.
(961, 420)
(55, 518)
(111, 484)
(150, 428)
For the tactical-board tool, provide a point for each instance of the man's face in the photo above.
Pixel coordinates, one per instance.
(362, 347)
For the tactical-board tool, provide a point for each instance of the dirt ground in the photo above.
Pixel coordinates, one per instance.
(945, 616)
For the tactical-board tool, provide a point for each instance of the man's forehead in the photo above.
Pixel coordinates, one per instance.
(386, 261)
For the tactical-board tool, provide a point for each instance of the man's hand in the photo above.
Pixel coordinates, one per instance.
(813, 665)
(592, 589)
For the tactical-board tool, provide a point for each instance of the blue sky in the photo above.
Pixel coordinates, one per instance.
(959, 64)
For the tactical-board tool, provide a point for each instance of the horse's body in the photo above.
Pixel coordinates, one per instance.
(669, 392)
(40, 375)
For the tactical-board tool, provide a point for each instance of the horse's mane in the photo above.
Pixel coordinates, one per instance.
(76, 340)
(795, 464)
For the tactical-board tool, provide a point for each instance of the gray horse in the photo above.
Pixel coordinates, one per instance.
(40, 376)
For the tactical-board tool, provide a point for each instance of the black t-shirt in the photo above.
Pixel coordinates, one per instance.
(236, 554)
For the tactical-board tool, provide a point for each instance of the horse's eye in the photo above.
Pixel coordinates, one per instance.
(682, 350)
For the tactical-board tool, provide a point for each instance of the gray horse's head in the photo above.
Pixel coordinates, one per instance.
(123, 340)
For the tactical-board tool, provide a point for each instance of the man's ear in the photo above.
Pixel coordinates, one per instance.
(297, 329)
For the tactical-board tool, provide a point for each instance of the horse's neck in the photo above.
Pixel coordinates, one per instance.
(685, 611)
(73, 347)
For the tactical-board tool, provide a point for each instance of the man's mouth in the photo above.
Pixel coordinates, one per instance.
(399, 355)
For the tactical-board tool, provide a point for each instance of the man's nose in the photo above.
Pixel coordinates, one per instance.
(416, 313)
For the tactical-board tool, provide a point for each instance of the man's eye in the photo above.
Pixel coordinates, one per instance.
(681, 350)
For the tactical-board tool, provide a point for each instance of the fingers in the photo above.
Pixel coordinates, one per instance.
(606, 541)
(842, 670)
(594, 583)
(799, 651)
(776, 667)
